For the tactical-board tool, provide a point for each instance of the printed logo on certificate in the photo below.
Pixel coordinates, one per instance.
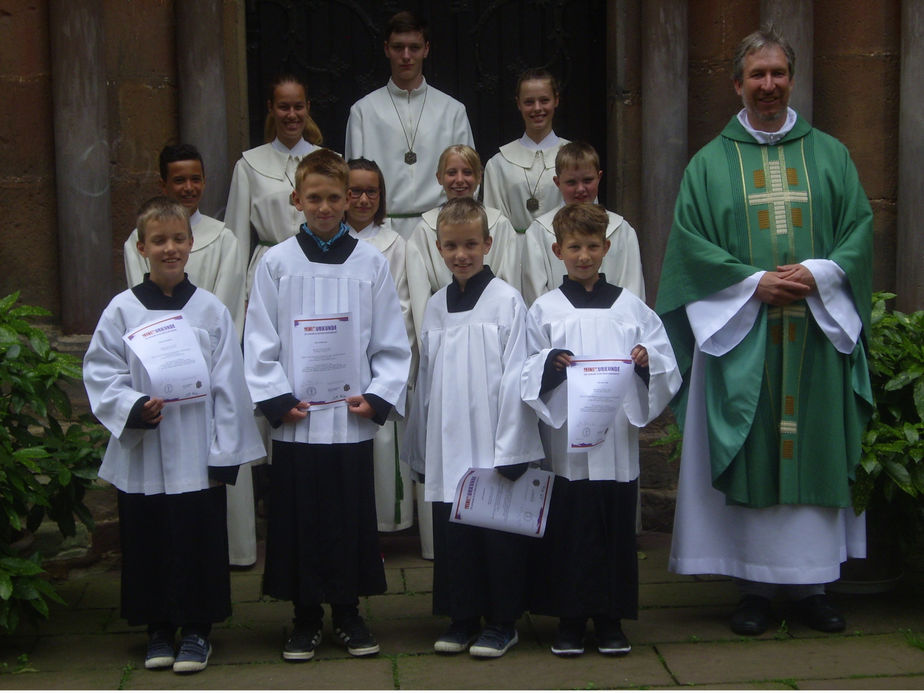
(596, 387)
(326, 370)
(170, 353)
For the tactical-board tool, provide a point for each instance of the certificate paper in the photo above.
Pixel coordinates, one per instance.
(326, 371)
(485, 498)
(170, 353)
(595, 390)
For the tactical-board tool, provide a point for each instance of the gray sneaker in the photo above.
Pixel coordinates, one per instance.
(161, 652)
(193, 655)
(494, 641)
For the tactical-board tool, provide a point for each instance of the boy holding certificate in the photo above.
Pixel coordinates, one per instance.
(468, 413)
(327, 359)
(587, 560)
(164, 374)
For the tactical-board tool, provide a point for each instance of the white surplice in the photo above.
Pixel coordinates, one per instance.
(215, 264)
(780, 544)
(554, 323)
(427, 272)
(379, 128)
(467, 410)
(386, 464)
(261, 195)
(175, 456)
(515, 174)
(542, 271)
(287, 285)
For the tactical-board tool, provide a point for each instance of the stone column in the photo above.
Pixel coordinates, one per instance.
(793, 19)
(201, 99)
(909, 276)
(664, 127)
(82, 161)
(624, 117)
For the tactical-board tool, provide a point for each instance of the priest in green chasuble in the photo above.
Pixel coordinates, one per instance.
(765, 293)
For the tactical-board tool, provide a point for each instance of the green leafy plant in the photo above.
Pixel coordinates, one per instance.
(47, 457)
(890, 478)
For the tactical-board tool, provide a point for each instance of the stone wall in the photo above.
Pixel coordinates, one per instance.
(142, 112)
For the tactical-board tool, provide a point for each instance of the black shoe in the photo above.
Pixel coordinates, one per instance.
(817, 613)
(569, 640)
(752, 617)
(302, 643)
(610, 638)
(353, 633)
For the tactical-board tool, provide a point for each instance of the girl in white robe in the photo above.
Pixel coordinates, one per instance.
(394, 500)
(459, 172)
(264, 177)
(518, 179)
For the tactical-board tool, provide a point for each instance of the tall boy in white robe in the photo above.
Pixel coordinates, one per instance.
(405, 125)
(577, 176)
(587, 565)
(215, 264)
(322, 543)
(468, 413)
(168, 459)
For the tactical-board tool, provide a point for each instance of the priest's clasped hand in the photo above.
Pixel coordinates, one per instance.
(788, 284)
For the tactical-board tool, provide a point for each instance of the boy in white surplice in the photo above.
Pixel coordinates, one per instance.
(177, 438)
(587, 563)
(468, 413)
(327, 358)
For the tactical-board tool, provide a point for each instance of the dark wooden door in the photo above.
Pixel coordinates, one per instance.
(477, 49)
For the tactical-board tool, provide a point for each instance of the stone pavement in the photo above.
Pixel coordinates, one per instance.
(680, 639)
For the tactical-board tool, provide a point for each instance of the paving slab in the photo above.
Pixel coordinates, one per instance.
(106, 679)
(69, 653)
(103, 591)
(866, 683)
(385, 606)
(749, 686)
(394, 579)
(528, 668)
(338, 674)
(409, 636)
(419, 579)
(73, 621)
(773, 660)
(695, 593)
(246, 585)
(690, 624)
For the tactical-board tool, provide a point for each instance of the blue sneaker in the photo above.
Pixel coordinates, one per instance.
(494, 641)
(160, 654)
(193, 655)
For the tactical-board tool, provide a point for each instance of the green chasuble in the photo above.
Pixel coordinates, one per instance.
(785, 409)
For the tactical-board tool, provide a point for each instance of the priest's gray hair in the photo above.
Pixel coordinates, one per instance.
(161, 208)
(767, 35)
(462, 210)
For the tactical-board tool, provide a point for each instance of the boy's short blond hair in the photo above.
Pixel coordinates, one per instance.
(462, 210)
(466, 153)
(574, 155)
(323, 162)
(580, 217)
(161, 208)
